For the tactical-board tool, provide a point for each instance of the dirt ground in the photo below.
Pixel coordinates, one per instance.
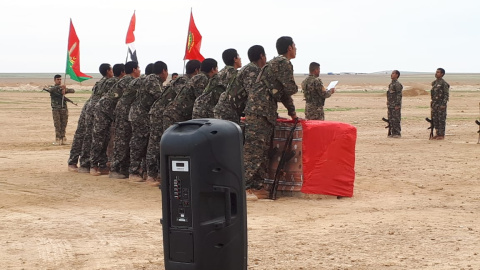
(416, 202)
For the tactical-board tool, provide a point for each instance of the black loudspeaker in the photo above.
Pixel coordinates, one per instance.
(204, 215)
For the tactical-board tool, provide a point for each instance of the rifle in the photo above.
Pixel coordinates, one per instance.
(388, 126)
(431, 127)
(283, 160)
(63, 96)
(478, 123)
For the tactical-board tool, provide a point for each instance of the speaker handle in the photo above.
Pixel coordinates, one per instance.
(194, 122)
(228, 206)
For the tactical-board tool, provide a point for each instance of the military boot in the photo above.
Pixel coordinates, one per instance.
(64, 141)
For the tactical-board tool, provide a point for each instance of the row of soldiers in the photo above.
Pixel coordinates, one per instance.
(139, 108)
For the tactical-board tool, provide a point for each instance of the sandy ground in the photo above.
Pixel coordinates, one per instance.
(416, 203)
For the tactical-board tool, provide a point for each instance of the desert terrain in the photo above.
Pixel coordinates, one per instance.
(416, 202)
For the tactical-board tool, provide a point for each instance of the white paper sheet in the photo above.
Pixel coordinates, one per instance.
(332, 85)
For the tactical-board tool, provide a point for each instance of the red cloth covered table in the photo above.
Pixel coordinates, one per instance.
(328, 157)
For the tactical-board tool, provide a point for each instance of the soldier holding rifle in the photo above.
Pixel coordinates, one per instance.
(440, 95)
(394, 105)
(59, 108)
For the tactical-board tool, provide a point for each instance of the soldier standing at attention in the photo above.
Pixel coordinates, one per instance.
(394, 105)
(232, 102)
(156, 120)
(102, 124)
(440, 94)
(205, 103)
(139, 119)
(180, 109)
(77, 141)
(78, 138)
(98, 91)
(275, 83)
(59, 108)
(232, 62)
(315, 94)
(121, 150)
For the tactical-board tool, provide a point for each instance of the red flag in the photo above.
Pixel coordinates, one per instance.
(130, 40)
(194, 41)
(73, 57)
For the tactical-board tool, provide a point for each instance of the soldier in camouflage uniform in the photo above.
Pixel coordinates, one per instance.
(232, 102)
(315, 93)
(156, 120)
(97, 92)
(77, 142)
(139, 119)
(180, 109)
(275, 83)
(394, 104)
(440, 94)
(59, 108)
(102, 124)
(205, 103)
(119, 164)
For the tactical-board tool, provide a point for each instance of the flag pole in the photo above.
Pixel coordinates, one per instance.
(68, 59)
(186, 43)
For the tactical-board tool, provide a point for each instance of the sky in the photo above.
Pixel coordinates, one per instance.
(342, 35)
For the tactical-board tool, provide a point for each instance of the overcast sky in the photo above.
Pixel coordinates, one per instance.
(342, 35)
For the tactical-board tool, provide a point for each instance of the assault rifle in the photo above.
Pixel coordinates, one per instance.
(431, 127)
(63, 96)
(388, 126)
(284, 158)
(478, 123)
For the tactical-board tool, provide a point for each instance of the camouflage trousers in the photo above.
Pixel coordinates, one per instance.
(102, 126)
(314, 112)
(139, 142)
(77, 142)
(258, 138)
(202, 107)
(394, 117)
(226, 113)
(87, 140)
(153, 148)
(60, 120)
(171, 119)
(439, 118)
(121, 146)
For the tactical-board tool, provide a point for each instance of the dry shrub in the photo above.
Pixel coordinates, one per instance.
(415, 90)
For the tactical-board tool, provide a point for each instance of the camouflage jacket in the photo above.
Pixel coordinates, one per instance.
(394, 94)
(146, 96)
(105, 104)
(226, 75)
(168, 95)
(275, 83)
(56, 98)
(125, 102)
(98, 90)
(183, 102)
(314, 91)
(116, 92)
(440, 92)
(205, 103)
(232, 102)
